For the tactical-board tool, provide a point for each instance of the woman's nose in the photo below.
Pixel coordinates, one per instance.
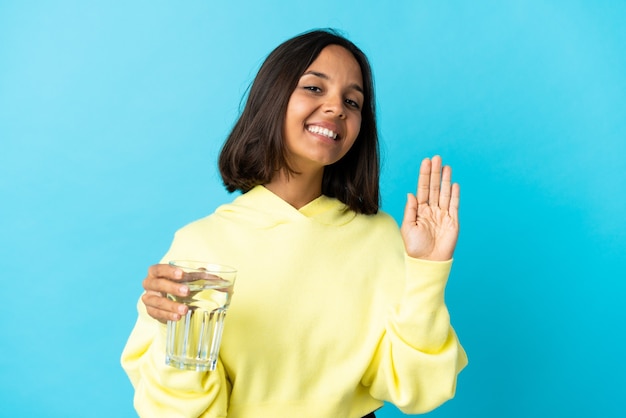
(334, 105)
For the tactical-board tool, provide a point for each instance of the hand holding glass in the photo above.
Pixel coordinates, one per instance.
(193, 342)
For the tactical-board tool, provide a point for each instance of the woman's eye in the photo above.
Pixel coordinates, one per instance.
(314, 89)
(352, 103)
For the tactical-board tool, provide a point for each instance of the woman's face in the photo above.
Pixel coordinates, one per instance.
(324, 111)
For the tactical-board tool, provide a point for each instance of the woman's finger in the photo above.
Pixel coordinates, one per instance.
(162, 316)
(164, 286)
(423, 182)
(165, 271)
(446, 188)
(163, 278)
(163, 307)
(454, 201)
(410, 210)
(435, 181)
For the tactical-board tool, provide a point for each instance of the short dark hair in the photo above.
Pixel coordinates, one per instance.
(255, 148)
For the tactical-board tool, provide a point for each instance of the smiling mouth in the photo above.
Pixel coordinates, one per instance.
(323, 131)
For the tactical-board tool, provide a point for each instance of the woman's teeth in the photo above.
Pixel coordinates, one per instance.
(322, 131)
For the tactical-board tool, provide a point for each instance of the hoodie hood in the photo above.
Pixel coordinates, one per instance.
(263, 209)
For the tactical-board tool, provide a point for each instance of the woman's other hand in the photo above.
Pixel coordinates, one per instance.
(430, 227)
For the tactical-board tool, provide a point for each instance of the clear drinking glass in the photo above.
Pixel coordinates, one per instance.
(193, 342)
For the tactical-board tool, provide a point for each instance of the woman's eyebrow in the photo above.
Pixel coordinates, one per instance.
(354, 86)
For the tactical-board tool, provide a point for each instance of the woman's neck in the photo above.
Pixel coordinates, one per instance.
(296, 189)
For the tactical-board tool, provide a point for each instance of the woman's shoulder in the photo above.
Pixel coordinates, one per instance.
(379, 220)
(196, 226)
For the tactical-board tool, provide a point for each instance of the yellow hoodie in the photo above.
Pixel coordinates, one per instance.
(329, 318)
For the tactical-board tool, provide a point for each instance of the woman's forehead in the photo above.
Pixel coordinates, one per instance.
(335, 61)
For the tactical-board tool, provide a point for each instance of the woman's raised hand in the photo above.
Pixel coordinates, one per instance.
(161, 280)
(430, 227)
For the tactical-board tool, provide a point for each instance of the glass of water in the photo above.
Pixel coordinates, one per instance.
(193, 342)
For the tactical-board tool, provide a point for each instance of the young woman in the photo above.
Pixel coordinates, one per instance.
(336, 310)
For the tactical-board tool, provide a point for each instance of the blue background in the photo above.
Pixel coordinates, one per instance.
(112, 115)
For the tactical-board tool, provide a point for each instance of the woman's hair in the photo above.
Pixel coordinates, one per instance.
(255, 149)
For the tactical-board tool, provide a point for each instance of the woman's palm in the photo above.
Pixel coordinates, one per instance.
(430, 227)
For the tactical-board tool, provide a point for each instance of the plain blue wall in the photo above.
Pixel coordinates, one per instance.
(112, 114)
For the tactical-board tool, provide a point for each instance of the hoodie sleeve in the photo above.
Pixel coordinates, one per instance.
(162, 390)
(418, 358)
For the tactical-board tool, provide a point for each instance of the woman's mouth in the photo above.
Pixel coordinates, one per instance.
(322, 131)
